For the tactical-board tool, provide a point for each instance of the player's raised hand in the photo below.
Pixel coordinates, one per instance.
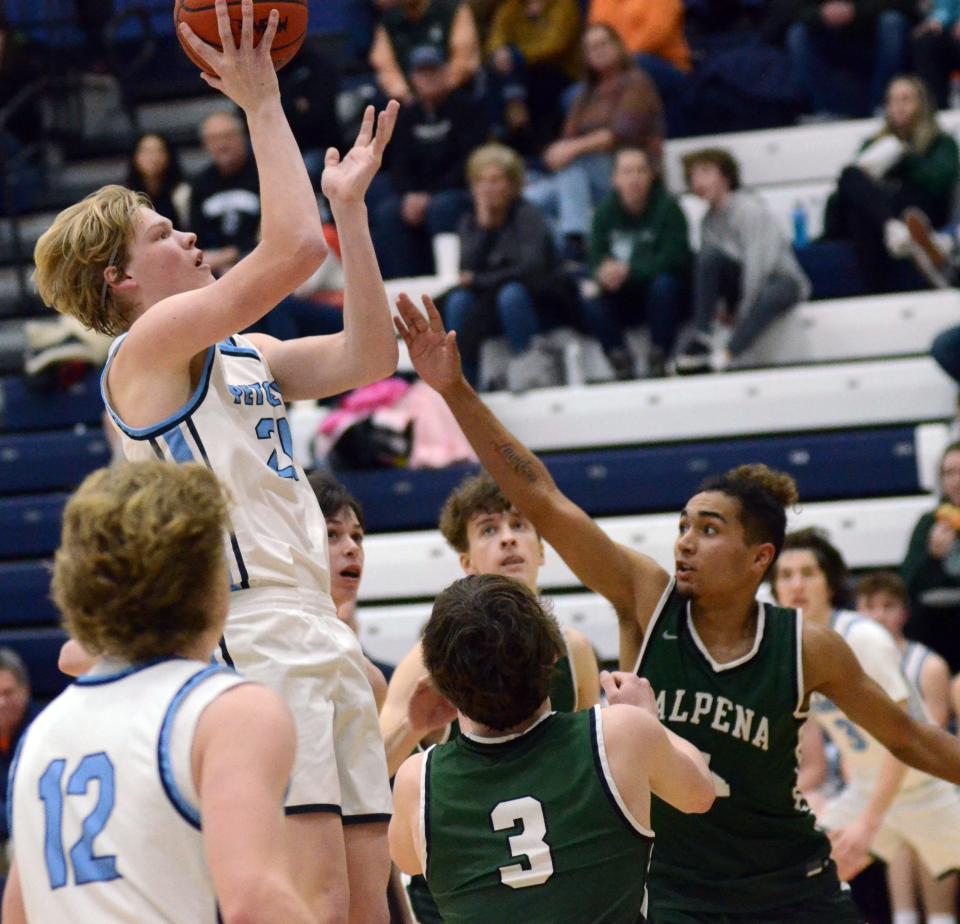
(428, 711)
(243, 73)
(347, 180)
(433, 351)
(622, 687)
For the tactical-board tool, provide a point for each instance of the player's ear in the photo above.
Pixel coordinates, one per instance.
(763, 556)
(117, 279)
(543, 554)
(467, 564)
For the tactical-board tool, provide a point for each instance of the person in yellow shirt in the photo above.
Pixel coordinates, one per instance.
(533, 50)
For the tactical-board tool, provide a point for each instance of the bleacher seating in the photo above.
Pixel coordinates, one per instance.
(843, 396)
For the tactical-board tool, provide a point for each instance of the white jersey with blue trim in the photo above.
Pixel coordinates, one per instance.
(914, 657)
(103, 810)
(235, 423)
(879, 657)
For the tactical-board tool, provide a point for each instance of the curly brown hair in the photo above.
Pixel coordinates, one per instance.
(475, 494)
(720, 158)
(73, 253)
(140, 554)
(490, 646)
(886, 582)
(764, 494)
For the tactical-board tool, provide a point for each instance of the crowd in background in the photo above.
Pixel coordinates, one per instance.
(534, 131)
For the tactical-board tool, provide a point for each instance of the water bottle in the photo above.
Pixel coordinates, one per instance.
(800, 234)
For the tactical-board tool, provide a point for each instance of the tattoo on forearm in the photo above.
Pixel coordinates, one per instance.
(519, 461)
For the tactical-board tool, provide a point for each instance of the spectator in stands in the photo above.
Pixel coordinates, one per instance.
(931, 569)
(837, 45)
(909, 164)
(308, 92)
(409, 24)
(434, 137)
(509, 279)
(936, 48)
(618, 105)
(17, 711)
(745, 263)
(652, 31)
(154, 168)
(225, 196)
(640, 258)
(534, 53)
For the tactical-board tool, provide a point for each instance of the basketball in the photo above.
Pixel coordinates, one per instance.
(201, 16)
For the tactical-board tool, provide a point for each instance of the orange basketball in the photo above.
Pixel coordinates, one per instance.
(201, 16)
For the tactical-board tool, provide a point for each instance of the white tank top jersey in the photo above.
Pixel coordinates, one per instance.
(911, 663)
(235, 423)
(879, 657)
(103, 811)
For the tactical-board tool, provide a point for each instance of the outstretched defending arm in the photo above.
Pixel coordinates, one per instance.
(633, 583)
(831, 668)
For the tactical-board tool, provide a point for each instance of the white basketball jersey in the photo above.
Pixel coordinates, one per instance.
(879, 657)
(104, 814)
(235, 424)
(914, 657)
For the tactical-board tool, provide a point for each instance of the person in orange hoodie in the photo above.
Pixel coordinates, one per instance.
(652, 31)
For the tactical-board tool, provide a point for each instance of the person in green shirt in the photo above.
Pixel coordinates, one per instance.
(732, 676)
(529, 814)
(900, 185)
(640, 259)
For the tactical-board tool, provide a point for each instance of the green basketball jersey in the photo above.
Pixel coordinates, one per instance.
(531, 828)
(757, 847)
(563, 698)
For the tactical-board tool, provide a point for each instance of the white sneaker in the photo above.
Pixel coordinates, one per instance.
(896, 236)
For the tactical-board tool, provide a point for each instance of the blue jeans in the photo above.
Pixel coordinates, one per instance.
(946, 351)
(404, 250)
(469, 314)
(869, 62)
(661, 303)
(568, 197)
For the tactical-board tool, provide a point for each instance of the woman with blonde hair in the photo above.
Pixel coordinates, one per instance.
(509, 280)
(901, 181)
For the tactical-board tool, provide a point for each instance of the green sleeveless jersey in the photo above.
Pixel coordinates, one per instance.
(757, 848)
(531, 828)
(563, 698)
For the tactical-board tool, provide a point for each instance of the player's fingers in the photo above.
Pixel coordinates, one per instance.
(331, 158)
(433, 315)
(207, 53)
(366, 128)
(386, 122)
(266, 43)
(246, 24)
(213, 80)
(608, 684)
(410, 313)
(227, 41)
(401, 329)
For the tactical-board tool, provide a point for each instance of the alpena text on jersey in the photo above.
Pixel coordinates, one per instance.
(104, 813)
(235, 423)
(757, 847)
